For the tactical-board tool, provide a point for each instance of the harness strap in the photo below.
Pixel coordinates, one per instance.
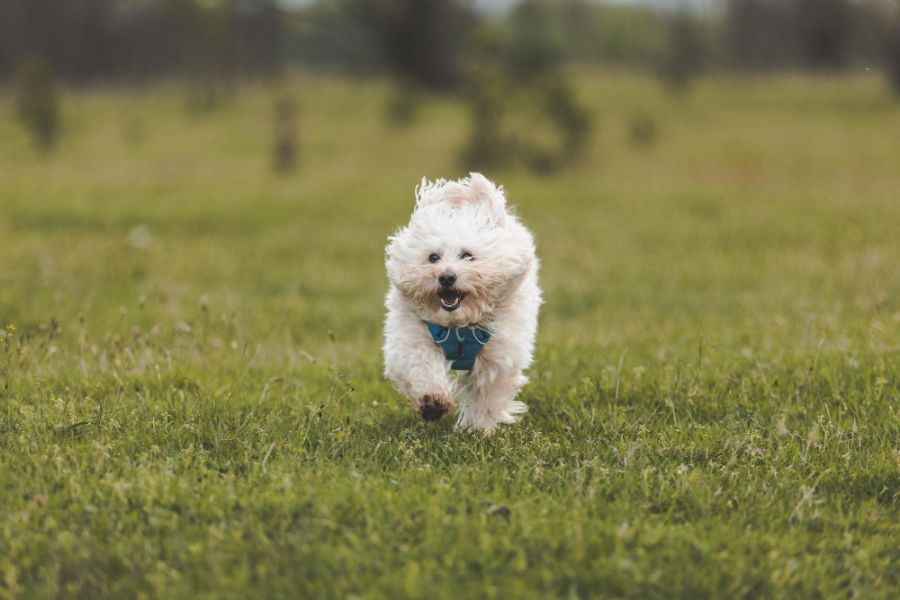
(461, 345)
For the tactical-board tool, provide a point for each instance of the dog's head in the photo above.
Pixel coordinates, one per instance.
(461, 253)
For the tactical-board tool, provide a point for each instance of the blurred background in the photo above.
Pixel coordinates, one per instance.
(687, 166)
(478, 51)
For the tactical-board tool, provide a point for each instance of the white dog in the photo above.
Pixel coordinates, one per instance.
(463, 296)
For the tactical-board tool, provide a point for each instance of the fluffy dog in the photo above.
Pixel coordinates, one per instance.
(463, 296)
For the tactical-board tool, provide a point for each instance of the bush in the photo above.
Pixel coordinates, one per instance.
(402, 105)
(572, 120)
(643, 130)
(37, 101)
(522, 107)
(285, 147)
(488, 146)
(540, 124)
(684, 52)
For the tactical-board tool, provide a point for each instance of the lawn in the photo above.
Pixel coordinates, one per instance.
(191, 399)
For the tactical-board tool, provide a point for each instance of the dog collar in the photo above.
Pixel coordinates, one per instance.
(461, 345)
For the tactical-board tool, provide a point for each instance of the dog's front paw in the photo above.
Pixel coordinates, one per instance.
(434, 406)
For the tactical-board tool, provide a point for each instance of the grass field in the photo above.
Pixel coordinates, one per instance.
(191, 402)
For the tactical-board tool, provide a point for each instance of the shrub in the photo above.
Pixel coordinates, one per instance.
(684, 53)
(285, 147)
(402, 105)
(643, 130)
(522, 107)
(37, 100)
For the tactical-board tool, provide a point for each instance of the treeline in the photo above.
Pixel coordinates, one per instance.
(429, 41)
(432, 41)
(90, 40)
(820, 34)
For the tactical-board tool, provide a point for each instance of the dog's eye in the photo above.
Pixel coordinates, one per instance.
(466, 256)
(434, 258)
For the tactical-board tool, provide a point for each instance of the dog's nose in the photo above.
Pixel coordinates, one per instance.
(447, 279)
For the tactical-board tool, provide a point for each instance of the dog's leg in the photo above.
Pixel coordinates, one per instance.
(422, 377)
(489, 397)
(417, 367)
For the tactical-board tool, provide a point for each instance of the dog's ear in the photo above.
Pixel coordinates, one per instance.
(482, 190)
(431, 192)
(475, 189)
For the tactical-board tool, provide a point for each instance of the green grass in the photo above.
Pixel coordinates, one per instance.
(714, 401)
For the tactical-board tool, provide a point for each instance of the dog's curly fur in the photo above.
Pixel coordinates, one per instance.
(461, 231)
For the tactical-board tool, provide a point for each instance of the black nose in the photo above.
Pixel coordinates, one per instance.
(446, 279)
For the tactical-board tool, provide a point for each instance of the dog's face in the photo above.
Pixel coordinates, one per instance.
(461, 253)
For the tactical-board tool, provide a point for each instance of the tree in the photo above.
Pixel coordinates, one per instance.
(684, 52)
(892, 58)
(825, 29)
(522, 106)
(421, 40)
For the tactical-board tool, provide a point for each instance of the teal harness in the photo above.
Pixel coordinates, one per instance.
(461, 345)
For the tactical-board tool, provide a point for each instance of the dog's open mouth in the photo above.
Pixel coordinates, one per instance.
(450, 299)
